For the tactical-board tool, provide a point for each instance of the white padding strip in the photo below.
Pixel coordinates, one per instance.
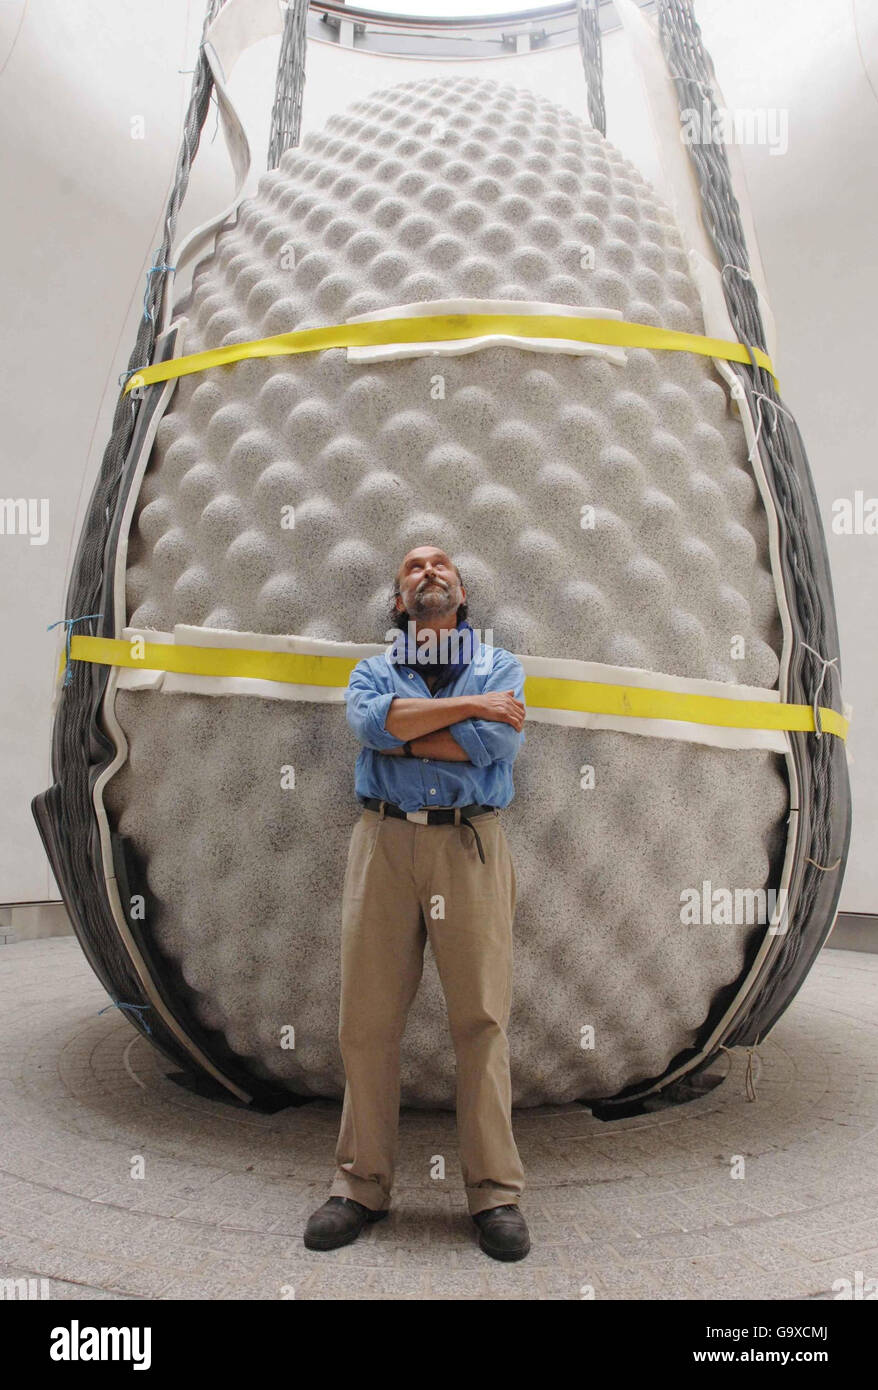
(390, 352)
(178, 683)
(716, 736)
(562, 668)
(710, 735)
(186, 636)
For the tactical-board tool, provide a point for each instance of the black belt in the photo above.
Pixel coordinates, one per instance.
(445, 816)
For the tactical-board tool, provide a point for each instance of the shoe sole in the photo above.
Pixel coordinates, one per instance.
(335, 1242)
(508, 1255)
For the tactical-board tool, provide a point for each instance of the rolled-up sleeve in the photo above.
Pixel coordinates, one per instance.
(492, 740)
(367, 707)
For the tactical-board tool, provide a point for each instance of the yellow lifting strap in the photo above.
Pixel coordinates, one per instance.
(440, 328)
(543, 692)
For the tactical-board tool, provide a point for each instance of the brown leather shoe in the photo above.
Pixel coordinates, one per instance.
(503, 1232)
(339, 1221)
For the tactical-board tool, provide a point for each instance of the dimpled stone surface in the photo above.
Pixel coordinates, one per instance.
(453, 187)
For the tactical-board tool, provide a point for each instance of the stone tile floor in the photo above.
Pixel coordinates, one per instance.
(644, 1207)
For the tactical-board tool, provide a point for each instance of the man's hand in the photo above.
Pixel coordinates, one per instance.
(501, 706)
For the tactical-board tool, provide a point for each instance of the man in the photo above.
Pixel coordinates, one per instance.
(429, 857)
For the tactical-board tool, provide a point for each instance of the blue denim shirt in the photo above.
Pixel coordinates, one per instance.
(415, 783)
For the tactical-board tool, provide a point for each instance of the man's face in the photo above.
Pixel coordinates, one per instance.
(428, 584)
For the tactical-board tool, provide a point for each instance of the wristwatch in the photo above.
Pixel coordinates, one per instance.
(407, 749)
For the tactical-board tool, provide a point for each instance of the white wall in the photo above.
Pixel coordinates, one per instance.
(84, 220)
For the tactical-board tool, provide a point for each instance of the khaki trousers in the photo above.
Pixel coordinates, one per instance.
(401, 878)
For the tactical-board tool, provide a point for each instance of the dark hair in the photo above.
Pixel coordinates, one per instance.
(400, 618)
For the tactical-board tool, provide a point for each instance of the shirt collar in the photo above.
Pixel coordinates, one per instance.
(406, 654)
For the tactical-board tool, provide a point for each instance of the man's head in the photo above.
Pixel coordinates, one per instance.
(428, 589)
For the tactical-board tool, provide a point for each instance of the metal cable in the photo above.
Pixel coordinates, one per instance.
(78, 744)
(692, 72)
(589, 29)
(286, 115)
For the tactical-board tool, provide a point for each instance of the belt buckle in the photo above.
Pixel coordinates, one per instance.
(419, 816)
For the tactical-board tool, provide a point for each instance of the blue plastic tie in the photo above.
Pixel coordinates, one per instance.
(138, 1009)
(132, 371)
(153, 270)
(68, 670)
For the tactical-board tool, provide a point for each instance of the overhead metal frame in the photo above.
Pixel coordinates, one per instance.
(454, 37)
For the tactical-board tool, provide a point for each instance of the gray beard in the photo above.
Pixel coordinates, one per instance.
(426, 609)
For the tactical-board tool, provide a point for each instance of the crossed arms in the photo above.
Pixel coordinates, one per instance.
(478, 729)
(438, 744)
